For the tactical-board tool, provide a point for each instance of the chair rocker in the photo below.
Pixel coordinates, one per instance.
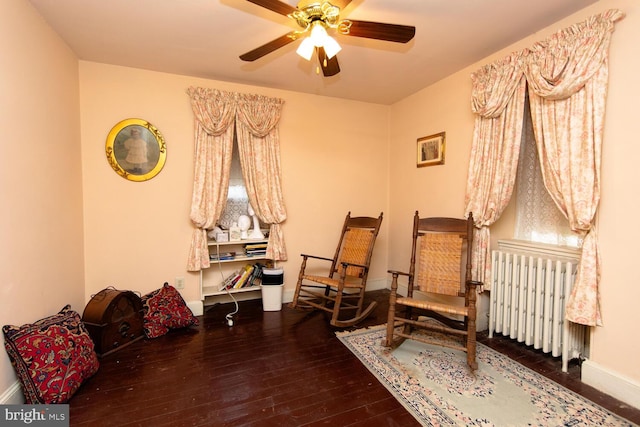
(441, 251)
(340, 290)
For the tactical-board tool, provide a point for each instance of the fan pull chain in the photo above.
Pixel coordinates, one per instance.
(324, 65)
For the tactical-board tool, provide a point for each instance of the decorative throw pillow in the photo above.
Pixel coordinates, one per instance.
(52, 357)
(164, 309)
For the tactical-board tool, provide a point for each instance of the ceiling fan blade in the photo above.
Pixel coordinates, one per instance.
(275, 6)
(267, 48)
(380, 31)
(341, 3)
(329, 67)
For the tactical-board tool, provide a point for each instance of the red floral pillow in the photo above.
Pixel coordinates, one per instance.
(52, 357)
(164, 309)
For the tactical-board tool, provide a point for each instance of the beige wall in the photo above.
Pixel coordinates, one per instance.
(445, 106)
(613, 345)
(136, 235)
(432, 190)
(41, 260)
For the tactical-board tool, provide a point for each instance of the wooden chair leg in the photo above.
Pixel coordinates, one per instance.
(296, 294)
(471, 345)
(327, 293)
(360, 303)
(392, 310)
(336, 308)
(471, 328)
(408, 314)
(337, 305)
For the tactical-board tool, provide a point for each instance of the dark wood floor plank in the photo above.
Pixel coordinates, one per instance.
(284, 368)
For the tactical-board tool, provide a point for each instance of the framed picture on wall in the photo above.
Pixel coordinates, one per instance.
(431, 150)
(136, 150)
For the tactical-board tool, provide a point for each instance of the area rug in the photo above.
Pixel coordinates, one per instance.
(435, 385)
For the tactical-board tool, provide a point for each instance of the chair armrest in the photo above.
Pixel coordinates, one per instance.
(316, 257)
(471, 287)
(394, 282)
(346, 264)
(398, 273)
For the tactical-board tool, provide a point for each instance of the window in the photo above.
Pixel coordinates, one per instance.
(237, 198)
(538, 219)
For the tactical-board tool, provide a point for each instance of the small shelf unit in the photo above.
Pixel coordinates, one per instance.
(212, 278)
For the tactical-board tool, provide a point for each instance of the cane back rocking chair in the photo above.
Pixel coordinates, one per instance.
(340, 290)
(440, 247)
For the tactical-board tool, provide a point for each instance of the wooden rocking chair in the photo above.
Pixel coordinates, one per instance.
(342, 288)
(440, 247)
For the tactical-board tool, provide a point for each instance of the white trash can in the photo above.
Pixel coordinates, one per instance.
(272, 288)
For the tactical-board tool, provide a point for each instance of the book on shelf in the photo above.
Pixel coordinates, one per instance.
(249, 275)
(222, 256)
(256, 277)
(245, 273)
(230, 280)
(256, 246)
(255, 249)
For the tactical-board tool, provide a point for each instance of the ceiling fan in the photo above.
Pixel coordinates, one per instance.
(315, 18)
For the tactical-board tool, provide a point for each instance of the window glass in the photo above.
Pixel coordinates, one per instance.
(237, 199)
(538, 219)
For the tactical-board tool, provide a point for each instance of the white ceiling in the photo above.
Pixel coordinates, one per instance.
(203, 38)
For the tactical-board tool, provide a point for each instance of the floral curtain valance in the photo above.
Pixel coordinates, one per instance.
(554, 68)
(566, 76)
(561, 65)
(494, 85)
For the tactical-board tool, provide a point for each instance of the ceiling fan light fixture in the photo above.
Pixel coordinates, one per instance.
(315, 18)
(331, 47)
(318, 38)
(306, 48)
(318, 34)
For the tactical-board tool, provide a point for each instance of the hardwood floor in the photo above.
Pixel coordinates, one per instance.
(283, 368)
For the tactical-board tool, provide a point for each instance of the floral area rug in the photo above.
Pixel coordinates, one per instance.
(436, 386)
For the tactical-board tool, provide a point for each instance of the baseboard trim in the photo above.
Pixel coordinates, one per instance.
(13, 395)
(197, 307)
(611, 383)
(377, 284)
(372, 285)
